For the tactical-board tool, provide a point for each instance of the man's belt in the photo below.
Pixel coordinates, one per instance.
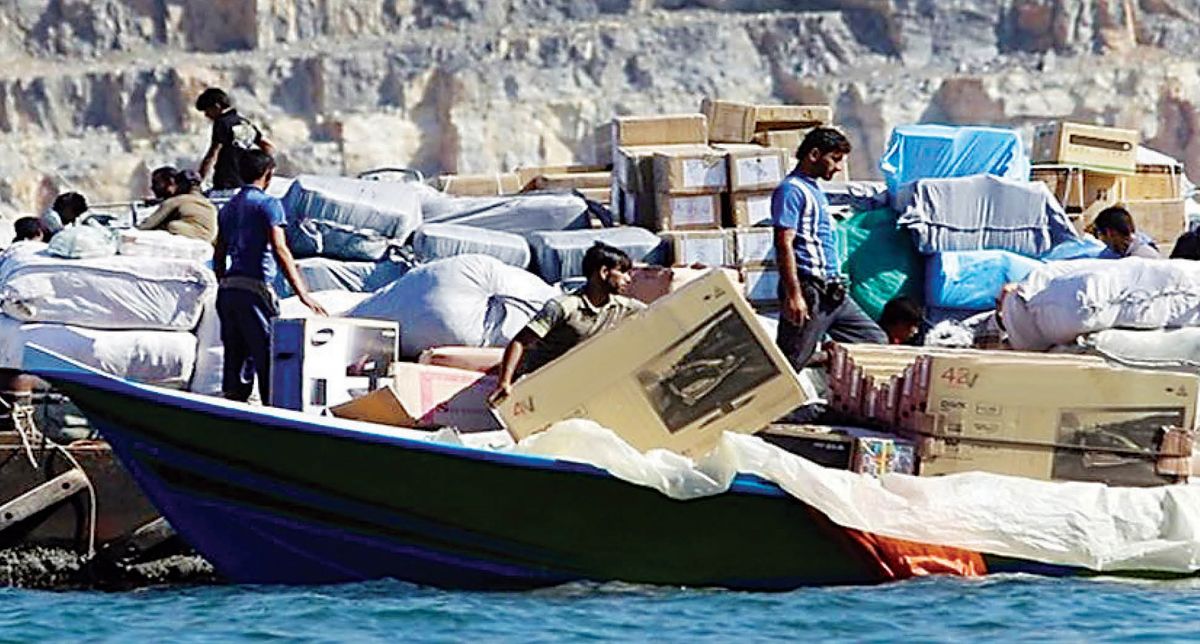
(832, 289)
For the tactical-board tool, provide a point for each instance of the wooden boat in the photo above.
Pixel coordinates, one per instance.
(271, 496)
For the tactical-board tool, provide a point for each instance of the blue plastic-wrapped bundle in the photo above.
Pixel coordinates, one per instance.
(437, 241)
(939, 151)
(971, 280)
(559, 254)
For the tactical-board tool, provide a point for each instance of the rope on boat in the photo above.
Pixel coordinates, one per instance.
(25, 426)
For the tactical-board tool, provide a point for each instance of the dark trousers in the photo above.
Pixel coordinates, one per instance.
(840, 317)
(246, 333)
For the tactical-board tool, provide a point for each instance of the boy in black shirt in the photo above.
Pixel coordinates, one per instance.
(232, 137)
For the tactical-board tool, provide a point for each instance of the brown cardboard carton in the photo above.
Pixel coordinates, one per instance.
(427, 396)
(633, 168)
(482, 359)
(729, 121)
(1087, 146)
(527, 174)
(704, 247)
(754, 246)
(1164, 220)
(697, 171)
(1037, 419)
(571, 181)
(685, 212)
(750, 209)
(791, 117)
(480, 185)
(787, 140)
(672, 129)
(753, 168)
(694, 365)
(1154, 182)
(761, 285)
(1080, 190)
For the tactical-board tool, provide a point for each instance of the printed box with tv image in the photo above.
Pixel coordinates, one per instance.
(1117, 446)
(709, 372)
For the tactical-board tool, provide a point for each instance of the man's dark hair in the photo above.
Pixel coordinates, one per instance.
(212, 97)
(70, 202)
(901, 310)
(26, 228)
(1187, 246)
(824, 140)
(164, 171)
(187, 180)
(1114, 219)
(601, 255)
(254, 164)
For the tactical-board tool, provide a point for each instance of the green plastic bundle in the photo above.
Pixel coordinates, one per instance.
(879, 259)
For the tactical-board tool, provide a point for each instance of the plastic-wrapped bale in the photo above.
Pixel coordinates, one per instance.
(971, 280)
(350, 218)
(470, 300)
(164, 358)
(105, 292)
(162, 244)
(439, 241)
(518, 214)
(936, 151)
(984, 212)
(326, 274)
(1166, 349)
(336, 303)
(1060, 301)
(559, 254)
(879, 259)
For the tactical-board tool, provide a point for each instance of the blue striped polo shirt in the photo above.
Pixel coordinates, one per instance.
(798, 203)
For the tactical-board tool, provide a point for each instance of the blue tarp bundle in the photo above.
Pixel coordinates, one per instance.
(971, 280)
(559, 254)
(438, 241)
(938, 151)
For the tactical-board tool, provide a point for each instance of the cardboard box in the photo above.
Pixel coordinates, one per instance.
(791, 117)
(729, 121)
(1087, 146)
(633, 168)
(696, 364)
(321, 361)
(761, 285)
(787, 140)
(1079, 190)
(685, 212)
(1164, 220)
(1049, 420)
(852, 449)
(427, 396)
(749, 209)
(753, 168)
(754, 246)
(651, 283)
(480, 185)
(671, 129)
(482, 359)
(704, 247)
(560, 176)
(697, 171)
(1154, 182)
(599, 195)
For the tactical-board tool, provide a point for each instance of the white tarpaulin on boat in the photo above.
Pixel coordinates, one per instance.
(105, 292)
(155, 357)
(1074, 524)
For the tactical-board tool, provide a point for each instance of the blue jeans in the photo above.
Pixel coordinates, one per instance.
(840, 317)
(246, 333)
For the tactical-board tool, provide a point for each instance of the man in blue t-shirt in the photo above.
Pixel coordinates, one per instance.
(250, 240)
(812, 289)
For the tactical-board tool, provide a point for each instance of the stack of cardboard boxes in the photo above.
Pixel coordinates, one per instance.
(704, 181)
(1089, 168)
(592, 181)
(1035, 415)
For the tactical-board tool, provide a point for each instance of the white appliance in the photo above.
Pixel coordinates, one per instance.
(320, 362)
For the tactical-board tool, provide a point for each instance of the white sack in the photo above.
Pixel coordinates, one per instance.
(336, 303)
(1065, 523)
(155, 357)
(105, 292)
(393, 209)
(162, 244)
(470, 300)
(1167, 349)
(1062, 300)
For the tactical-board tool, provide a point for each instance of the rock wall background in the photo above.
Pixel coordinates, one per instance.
(93, 93)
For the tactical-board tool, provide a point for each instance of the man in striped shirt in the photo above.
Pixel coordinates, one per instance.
(812, 289)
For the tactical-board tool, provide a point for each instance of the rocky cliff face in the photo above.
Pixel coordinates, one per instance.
(93, 93)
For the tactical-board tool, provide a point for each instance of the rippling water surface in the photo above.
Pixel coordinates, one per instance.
(1003, 608)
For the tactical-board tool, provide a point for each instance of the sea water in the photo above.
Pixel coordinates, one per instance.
(932, 609)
